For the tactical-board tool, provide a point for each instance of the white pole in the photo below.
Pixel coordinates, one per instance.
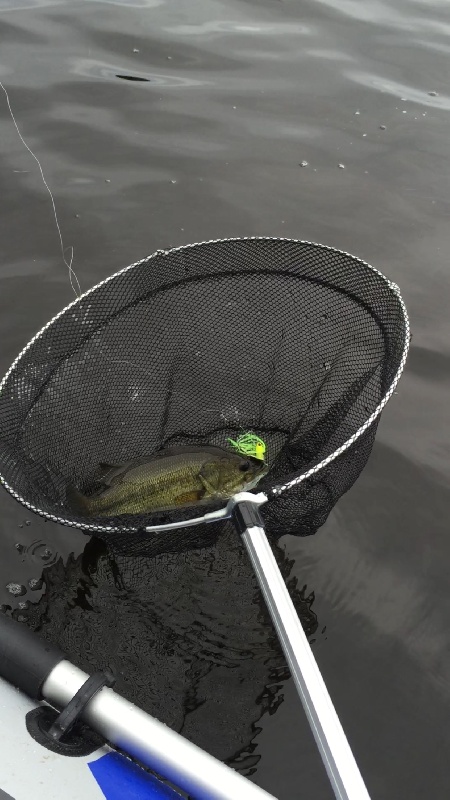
(150, 741)
(334, 748)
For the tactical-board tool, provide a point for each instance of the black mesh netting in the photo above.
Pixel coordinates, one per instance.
(294, 341)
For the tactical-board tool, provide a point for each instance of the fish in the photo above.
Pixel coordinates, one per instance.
(175, 478)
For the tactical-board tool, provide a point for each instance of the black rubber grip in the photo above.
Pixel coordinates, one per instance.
(246, 515)
(26, 659)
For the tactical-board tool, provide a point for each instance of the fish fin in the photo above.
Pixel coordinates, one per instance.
(185, 449)
(190, 497)
(108, 465)
(106, 474)
(208, 487)
(77, 500)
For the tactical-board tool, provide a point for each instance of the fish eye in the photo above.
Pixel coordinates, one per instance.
(245, 466)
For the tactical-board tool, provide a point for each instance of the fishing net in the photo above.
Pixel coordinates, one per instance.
(299, 343)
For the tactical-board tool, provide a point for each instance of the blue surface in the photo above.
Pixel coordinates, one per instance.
(120, 779)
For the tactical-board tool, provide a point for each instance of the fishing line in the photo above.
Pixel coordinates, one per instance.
(72, 275)
(74, 282)
(247, 443)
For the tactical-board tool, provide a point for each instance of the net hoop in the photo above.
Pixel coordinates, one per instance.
(276, 490)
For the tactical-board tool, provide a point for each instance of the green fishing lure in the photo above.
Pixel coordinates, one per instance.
(249, 444)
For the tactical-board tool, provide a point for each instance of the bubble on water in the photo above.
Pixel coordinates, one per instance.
(357, 113)
(341, 166)
(16, 589)
(27, 522)
(433, 94)
(303, 163)
(135, 50)
(35, 584)
(382, 127)
(19, 547)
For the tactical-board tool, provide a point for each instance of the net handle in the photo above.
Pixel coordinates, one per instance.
(338, 759)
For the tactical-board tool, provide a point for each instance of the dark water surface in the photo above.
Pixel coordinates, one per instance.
(236, 96)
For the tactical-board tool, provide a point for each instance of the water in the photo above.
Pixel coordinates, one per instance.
(237, 97)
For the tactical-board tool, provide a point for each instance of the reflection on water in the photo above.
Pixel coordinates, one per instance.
(23, 5)
(238, 98)
(401, 90)
(130, 3)
(387, 16)
(272, 28)
(183, 632)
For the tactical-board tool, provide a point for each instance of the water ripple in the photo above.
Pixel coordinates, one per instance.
(129, 3)
(382, 84)
(386, 15)
(251, 28)
(90, 68)
(26, 5)
(329, 55)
